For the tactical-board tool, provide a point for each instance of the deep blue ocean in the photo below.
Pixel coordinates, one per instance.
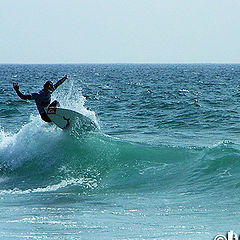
(163, 164)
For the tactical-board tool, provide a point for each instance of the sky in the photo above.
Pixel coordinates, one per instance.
(119, 31)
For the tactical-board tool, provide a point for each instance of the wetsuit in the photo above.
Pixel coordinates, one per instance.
(42, 100)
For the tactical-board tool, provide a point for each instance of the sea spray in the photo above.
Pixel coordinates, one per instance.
(73, 99)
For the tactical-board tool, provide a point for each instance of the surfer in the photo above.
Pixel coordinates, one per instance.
(43, 97)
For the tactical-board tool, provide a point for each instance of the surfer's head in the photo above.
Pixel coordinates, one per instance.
(48, 87)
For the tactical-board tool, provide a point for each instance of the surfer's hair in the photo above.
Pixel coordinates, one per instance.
(47, 85)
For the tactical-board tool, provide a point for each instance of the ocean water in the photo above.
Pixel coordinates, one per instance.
(164, 162)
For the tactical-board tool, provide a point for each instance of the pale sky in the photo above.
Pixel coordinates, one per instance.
(119, 31)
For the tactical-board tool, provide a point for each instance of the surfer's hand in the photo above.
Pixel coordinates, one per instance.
(16, 86)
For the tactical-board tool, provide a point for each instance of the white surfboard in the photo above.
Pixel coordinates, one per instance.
(66, 118)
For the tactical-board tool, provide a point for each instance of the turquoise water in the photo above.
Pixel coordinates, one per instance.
(164, 163)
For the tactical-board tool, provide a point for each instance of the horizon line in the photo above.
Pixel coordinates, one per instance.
(124, 63)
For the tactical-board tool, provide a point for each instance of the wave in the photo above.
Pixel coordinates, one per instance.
(43, 158)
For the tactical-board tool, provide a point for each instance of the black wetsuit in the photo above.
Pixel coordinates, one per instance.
(42, 100)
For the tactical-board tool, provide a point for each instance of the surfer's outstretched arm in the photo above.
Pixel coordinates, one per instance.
(22, 96)
(59, 82)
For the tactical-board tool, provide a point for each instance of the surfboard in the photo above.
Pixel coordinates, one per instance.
(66, 118)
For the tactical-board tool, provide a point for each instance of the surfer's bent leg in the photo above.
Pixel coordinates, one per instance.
(45, 117)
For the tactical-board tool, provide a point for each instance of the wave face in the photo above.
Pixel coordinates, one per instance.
(43, 158)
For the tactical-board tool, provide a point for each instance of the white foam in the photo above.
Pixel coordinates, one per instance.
(86, 183)
(32, 139)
